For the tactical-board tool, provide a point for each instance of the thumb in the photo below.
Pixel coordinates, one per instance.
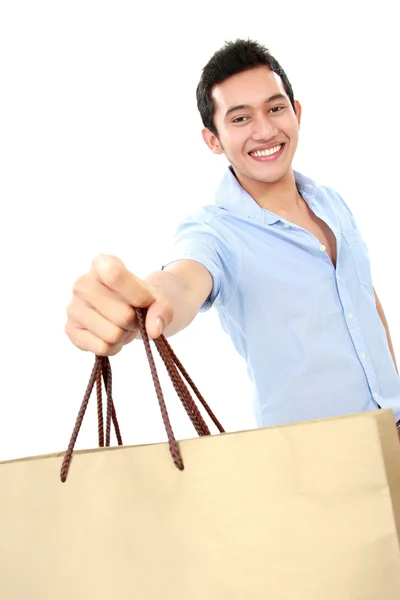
(159, 316)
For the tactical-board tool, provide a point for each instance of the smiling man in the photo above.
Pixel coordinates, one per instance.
(279, 256)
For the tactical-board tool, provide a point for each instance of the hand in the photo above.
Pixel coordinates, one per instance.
(101, 318)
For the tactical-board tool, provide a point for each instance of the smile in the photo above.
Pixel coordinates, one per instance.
(268, 152)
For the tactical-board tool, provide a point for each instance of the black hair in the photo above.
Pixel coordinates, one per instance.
(234, 57)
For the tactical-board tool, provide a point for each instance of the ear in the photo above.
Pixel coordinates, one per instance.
(212, 141)
(298, 111)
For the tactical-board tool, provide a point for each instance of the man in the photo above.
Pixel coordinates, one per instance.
(279, 257)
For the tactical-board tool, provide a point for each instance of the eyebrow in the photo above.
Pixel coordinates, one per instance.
(244, 106)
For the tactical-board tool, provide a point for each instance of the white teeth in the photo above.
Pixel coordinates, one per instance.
(268, 152)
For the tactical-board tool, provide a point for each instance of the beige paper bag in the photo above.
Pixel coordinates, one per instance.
(302, 512)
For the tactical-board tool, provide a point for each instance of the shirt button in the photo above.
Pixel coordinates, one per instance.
(322, 248)
(286, 225)
(350, 315)
(376, 395)
(338, 277)
(363, 355)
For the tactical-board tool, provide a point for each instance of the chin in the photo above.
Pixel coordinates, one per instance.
(268, 175)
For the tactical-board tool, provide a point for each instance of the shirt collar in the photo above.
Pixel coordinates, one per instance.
(235, 199)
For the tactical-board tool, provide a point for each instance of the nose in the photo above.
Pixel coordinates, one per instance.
(263, 128)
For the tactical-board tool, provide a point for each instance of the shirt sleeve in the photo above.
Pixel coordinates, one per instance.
(205, 240)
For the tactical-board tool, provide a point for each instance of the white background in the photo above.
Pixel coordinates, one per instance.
(101, 152)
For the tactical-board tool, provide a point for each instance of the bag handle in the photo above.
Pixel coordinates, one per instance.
(102, 372)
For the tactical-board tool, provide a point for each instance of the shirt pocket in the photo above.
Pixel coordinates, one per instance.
(359, 253)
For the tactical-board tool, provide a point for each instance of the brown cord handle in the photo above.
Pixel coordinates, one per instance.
(101, 372)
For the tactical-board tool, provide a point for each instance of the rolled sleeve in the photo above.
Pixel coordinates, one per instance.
(203, 238)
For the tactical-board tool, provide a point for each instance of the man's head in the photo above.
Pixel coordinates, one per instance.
(248, 110)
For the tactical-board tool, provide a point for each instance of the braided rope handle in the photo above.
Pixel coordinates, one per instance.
(101, 372)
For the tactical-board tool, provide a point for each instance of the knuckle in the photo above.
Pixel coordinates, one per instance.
(143, 295)
(114, 336)
(142, 298)
(132, 335)
(73, 334)
(126, 318)
(71, 313)
(79, 286)
(68, 328)
(103, 348)
(110, 269)
(74, 311)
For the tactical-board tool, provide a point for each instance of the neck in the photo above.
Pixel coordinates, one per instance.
(280, 197)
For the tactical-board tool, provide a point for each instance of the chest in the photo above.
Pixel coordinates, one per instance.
(308, 221)
(324, 234)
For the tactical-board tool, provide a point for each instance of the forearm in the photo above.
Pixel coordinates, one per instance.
(167, 287)
(184, 286)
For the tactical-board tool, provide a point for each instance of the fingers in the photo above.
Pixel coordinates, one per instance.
(99, 324)
(90, 292)
(112, 273)
(101, 317)
(87, 341)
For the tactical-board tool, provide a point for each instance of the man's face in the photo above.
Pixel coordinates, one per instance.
(257, 126)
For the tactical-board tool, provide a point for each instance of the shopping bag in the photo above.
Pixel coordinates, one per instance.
(309, 511)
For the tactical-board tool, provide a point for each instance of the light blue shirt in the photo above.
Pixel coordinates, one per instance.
(310, 334)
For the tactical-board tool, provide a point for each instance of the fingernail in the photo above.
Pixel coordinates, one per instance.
(160, 325)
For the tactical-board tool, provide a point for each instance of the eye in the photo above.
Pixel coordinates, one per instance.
(276, 109)
(240, 120)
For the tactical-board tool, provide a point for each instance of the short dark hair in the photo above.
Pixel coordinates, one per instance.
(234, 57)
